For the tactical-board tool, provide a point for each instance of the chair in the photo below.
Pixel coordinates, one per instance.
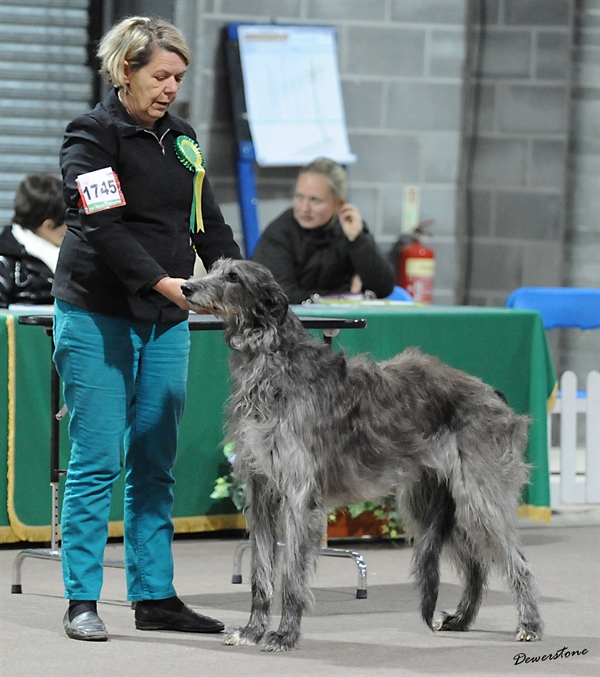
(399, 294)
(560, 306)
(573, 308)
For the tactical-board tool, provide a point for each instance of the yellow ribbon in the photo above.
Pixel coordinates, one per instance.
(189, 153)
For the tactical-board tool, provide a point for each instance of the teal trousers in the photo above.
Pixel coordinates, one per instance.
(124, 383)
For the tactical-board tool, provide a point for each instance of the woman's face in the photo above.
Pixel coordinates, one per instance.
(314, 203)
(153, 88)
(52, 232)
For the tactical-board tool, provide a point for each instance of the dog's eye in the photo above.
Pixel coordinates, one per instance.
(232, 276)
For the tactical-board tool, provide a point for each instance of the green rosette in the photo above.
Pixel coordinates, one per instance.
(189, 154)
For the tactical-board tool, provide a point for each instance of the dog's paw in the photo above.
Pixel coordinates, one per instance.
(276, 641)
(524, 635)
(239, 637)
(437, 624)
(449, 622)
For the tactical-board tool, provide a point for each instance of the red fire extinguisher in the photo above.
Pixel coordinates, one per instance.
(416, 269)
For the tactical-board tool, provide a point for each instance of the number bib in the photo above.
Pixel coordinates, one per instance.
(100, 190)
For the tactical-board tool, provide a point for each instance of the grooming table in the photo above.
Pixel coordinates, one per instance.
(56, 414)
(330, 328)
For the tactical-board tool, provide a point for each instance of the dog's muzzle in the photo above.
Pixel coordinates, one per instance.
(187, 290)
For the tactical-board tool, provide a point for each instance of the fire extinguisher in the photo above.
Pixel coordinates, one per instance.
(416, 269)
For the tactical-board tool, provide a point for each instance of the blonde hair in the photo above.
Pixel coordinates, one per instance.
(332, 172)
(134, 40)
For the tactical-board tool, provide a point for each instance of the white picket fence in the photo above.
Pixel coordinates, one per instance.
(575, 472)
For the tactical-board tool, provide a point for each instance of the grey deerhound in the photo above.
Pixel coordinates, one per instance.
(314, 429)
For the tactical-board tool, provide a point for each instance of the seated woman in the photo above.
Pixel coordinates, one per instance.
(321, 245)
(29, 248)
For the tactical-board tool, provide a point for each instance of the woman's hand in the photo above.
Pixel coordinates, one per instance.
(350, 220)
(356, 285)
(171, 288)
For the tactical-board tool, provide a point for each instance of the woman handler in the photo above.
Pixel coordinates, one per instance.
(132, 175)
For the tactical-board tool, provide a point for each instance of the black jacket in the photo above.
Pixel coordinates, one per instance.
(307, 261)
(23, 278)
(110, 260)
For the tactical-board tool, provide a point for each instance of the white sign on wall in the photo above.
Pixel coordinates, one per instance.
(293, 94)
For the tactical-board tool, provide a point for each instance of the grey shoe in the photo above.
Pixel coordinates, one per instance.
(87, 626)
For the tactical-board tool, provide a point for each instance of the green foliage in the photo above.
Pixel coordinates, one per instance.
(226, 486)
(358, 509)
(387, 512)
(222, 488)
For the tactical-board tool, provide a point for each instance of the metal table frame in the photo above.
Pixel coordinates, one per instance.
(330, 328)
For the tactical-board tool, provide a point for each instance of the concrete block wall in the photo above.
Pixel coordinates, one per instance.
(400, 64)
(512, 215)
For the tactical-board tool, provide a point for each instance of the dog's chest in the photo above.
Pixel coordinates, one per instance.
(261, 389)
(266, 453)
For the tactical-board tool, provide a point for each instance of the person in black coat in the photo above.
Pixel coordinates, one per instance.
(139, 209)
(321, 246)
(29, 248)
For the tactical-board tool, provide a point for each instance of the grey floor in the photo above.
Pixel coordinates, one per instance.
(382, 635)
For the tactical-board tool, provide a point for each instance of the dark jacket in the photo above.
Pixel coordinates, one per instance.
(307, 261)
(23, 278)
(110, 260)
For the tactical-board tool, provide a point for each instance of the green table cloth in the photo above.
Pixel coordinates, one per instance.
(505, 348)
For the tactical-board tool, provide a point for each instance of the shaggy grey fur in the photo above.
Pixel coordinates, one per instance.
(313, 429)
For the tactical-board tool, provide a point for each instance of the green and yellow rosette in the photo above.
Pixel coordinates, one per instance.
(189, 153)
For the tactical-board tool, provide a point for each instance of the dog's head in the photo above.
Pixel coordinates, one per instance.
(242, 293)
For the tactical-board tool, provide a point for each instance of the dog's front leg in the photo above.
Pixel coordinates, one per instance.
(262, 520)
(303, 532)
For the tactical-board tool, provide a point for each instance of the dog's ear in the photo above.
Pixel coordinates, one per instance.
(276, 302)
(283, 314)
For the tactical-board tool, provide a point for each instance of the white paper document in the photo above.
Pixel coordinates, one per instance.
(293, 94)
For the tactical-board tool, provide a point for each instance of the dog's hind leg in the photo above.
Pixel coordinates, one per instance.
(524, 586)
(303, 532)
(262, 519)
(474, 572)
(432, 508)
